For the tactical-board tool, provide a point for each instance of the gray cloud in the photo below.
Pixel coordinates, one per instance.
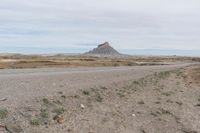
(127, 24)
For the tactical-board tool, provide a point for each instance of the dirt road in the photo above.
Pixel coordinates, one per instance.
(18, 86)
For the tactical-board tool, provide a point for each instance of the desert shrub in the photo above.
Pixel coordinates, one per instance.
(3, 113)
(45, 101)
(85, 92)
(59, 110)
(99, 98)
(44, 113)
(35, 121)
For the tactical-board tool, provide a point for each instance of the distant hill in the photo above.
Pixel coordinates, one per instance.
(104, 50)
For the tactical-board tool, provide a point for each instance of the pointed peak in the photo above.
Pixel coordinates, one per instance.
(104, 44)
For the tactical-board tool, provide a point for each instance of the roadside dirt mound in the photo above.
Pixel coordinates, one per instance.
(104, 49)
(193, 75)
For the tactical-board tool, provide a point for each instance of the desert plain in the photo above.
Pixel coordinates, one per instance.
(86, 94)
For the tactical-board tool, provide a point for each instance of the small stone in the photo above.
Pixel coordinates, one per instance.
(59, 118)
(2, 125)
(141, 102)
(133, 115)
(3, 99)
(82, 106)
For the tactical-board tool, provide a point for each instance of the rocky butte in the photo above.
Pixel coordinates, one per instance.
(104, 50)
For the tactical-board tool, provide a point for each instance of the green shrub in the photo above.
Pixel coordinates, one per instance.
(59, 110)
(35, 121)
(3, 113)
(44, 113)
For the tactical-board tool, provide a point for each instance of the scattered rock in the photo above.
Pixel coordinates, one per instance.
(60, 92)
(179, 103)
(141, 102)
(3, 99)
(69, 130)
(133, 115)
(169, 101)
(82, 106)
(142, 130)
(2, 126)
(186, 130)
(13, 128)
(157, 102)
(197, 105)
(63, 96)
(59, 118)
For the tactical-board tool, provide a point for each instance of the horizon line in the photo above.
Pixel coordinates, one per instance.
(156, 52)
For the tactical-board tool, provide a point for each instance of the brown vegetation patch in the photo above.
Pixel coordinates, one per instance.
(18, 61)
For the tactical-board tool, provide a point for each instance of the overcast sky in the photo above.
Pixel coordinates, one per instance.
(82, 24)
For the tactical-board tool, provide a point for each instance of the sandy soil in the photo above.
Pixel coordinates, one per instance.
(139, 99)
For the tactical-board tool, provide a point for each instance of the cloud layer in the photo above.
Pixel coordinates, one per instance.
(127, 24)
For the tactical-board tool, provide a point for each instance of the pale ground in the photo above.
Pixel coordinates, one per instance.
(138, 99)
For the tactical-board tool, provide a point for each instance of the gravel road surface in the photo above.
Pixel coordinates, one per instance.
(19, 86)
